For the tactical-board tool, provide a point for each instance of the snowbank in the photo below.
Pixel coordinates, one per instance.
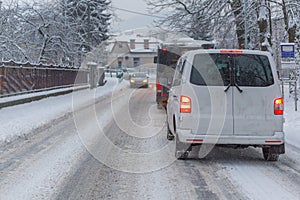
(292, 122)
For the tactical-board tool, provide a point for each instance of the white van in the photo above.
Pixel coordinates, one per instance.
(228, 98)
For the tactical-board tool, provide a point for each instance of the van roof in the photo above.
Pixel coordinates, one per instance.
(229, 51)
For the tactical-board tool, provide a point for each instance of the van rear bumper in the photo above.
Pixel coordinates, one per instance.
(186, 136)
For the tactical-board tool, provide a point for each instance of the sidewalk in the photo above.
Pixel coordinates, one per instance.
(35, 96)
(23, 119)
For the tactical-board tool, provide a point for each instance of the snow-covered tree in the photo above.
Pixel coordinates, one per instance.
(248, 21)
(90, 19)
(197, 19)
(221, 20)
(264, 26)
(49, 33)
(11, 41)
(40, 33)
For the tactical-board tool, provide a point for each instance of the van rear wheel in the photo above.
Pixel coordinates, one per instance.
(182, 150)
(269, 155)
(170, 135)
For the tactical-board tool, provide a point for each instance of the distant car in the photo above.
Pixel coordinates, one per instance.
(229, 98)
(139, 79)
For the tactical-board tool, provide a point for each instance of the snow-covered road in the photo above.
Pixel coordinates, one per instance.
(113, 146)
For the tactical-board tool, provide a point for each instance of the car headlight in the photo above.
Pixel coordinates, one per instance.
(144, 81)
(132, 81)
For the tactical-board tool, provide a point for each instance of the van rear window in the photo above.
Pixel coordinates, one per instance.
(224, 69)
(253, 70)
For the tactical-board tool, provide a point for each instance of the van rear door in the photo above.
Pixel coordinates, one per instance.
(211, 106)
(253, 96)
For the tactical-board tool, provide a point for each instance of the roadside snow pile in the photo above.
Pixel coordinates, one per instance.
(292, 122)
(21, 120)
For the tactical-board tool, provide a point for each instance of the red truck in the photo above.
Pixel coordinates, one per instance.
(167, 57)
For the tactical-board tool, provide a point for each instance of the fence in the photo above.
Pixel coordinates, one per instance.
(18, 78)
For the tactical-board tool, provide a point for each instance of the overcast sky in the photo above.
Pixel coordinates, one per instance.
(130, 20)
(126, 20)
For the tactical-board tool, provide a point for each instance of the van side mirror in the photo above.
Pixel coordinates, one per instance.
(278, 74)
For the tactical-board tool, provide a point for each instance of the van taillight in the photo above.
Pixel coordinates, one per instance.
(278, 106)
(185, 104)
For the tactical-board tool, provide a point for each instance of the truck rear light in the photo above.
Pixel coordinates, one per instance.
(185, 104)
(278, 106)
(158, 87)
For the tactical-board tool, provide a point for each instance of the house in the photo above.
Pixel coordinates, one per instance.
(138, 47)
(131, 49)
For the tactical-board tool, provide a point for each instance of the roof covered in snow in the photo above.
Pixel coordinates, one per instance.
(156, 38)
(138, 36)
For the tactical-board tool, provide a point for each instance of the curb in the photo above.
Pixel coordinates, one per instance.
(39, 97)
